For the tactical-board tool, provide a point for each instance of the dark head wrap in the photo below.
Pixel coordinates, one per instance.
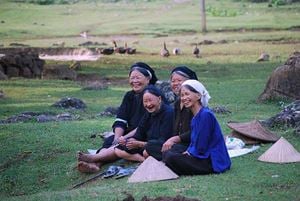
(146, 70)
(185, 72)
(156, 92)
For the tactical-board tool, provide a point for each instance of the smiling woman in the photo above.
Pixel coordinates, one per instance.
(207, 152)
(128, 118)
(154, 129)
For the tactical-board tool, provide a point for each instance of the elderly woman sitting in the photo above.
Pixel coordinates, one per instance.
(154, 129)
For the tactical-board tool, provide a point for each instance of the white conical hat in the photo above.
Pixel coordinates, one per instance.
(281, 152)
(152, 170)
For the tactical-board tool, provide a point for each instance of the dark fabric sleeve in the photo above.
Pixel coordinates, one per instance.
(142, 129)
(167, 125)
(185, 137)
(123, 112)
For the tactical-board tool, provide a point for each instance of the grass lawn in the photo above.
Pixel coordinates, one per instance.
(38, 160)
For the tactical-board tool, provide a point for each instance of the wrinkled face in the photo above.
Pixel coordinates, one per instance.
(189, 98)
(138, 81)
(151, 102)
(176, 81)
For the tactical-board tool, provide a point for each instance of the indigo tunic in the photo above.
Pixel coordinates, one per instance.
(130, 111)
(156, 126)
(182, 125)
(207, 140)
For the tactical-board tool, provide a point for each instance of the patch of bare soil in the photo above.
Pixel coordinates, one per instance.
(161, 198)
(58, 53)
(90, 78)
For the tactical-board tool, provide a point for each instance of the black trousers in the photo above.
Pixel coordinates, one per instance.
(184, 164)
(153, 148)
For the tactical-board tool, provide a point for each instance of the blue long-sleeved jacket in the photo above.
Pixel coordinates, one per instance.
(207, 140)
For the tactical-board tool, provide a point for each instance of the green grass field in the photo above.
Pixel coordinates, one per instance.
(38, 160)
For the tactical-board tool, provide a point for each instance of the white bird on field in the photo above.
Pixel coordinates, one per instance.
(176, 51)
(84, 34)
(264, 57)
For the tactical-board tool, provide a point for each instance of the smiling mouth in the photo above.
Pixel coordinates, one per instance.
(186, 102)
(149, 108)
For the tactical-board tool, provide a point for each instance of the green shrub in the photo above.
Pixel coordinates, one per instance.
(253, 1)
(217, 12)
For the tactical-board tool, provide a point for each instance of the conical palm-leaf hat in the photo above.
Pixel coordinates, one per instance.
(245, 139)
(152, 170)
(281, 152)
(255, 130)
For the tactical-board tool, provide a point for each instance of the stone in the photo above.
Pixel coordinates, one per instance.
(69, 102)
(109, 111)
(26, 72)
(3, 76)
(289, 117)
(21, 63)
(12, 71)
(1, 94)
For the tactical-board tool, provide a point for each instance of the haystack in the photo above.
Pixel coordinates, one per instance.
(284, 81)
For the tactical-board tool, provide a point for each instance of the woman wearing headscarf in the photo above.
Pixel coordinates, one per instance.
(183, 116)
(128, 117)
(207, 152)
(154, 129)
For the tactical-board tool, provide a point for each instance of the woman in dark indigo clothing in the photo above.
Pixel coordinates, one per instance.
(154, 129)
(183, 115)
(207, 152)
(129, 115)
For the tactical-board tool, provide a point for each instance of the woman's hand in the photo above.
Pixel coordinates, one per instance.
(167, 145)
(133, 143)
(116, 140)
(122, 140)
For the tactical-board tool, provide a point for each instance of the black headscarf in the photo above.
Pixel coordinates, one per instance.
(146, 70)
(156, 92)
(185, 72)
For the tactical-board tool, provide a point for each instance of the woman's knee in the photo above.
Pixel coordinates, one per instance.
(167, 157)
(119, 153)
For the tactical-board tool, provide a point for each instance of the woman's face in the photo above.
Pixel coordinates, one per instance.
(138, 81)
(151, 102)
(176, 81)
(188, 98)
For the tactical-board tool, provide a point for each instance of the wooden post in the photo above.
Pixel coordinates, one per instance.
(203, 16)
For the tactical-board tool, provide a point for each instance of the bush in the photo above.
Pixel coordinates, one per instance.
(216, 12)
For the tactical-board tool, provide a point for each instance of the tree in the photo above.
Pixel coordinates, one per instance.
(203, 16)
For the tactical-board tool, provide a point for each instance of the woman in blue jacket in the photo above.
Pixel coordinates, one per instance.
(207, 151)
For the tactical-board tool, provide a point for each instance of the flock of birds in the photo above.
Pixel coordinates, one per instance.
(164, 52)
(117, 49)
(129, 50)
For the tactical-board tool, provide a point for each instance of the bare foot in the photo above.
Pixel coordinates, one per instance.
(85, 157)
(87, 167)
